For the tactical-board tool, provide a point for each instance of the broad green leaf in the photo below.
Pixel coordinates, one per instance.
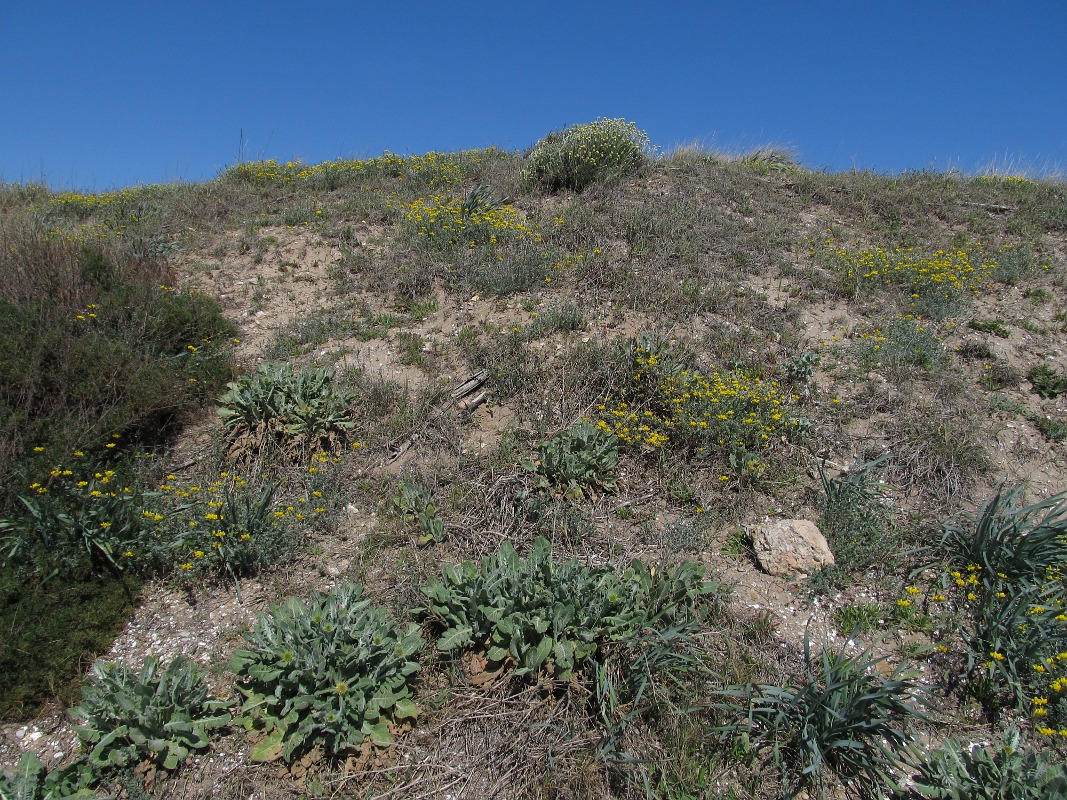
(269, 748)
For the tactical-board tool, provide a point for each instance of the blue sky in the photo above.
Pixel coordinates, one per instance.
(101, 95)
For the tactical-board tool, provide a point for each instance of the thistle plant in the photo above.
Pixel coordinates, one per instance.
(576, 157)
(538, 615)
(159, 715)
(577, 461)
(1006, 769)
(298, 409)
(31, 781)
(331, 671)
(414, 503)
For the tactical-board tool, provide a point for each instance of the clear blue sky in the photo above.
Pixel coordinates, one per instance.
(97, 95)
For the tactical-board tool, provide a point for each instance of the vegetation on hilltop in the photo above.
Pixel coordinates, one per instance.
(523, 588)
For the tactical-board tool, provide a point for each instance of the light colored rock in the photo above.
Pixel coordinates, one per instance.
(789, 547)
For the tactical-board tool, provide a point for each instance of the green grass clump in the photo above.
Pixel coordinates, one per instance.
(331, 672)
(843, 723)
(159, 715)
(581, 154)
(1000, 599)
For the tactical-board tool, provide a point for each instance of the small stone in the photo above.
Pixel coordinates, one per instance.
(789, 547)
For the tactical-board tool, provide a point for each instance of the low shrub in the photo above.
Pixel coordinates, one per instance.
(581, 154)
(330, 672)
(732, 413)
(159, 715)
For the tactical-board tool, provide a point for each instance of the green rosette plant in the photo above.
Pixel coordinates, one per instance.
(577, 461)
(159, 715)
(331, 671)
(540, 615)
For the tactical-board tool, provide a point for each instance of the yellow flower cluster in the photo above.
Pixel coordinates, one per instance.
(944, 273)
(973, 588)
(82, 205)
(446, 221)
(441, 169)
(700, 411)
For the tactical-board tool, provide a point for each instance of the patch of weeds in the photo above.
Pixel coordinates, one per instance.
(537, 614)
(558, 319)
(997, 375)
(1015, 262)
(938, 451)
(1047, 381)
(938, 284)
(415, 504)
(368, 326)
(296, 410)
(1038, 295)
(845, 723)
(31, 781)
(410, 349)
(328, 672)
(160, 714)
(904, 342)
(1053, 429)
(999, 597)
(976, 351)
(578, 461)
(582, 154)
(729, 411)
(856, 520)
(310, 331)
(801, 368)
(993, 326)
(73, 520)
(417, 308)
(684, 534)
(1004, 769)
(858, 618)
(738, 543)
(226, 526)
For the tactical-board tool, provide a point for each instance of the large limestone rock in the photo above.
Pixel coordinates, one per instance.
(790, 547)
